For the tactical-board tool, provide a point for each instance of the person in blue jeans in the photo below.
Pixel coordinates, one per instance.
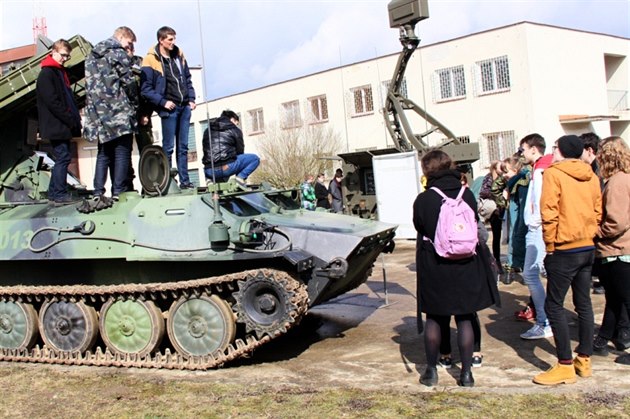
(166, 84)
(59, 118)
(224, 150)
(533, 146)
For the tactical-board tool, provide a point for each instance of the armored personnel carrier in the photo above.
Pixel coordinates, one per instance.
(166, 278)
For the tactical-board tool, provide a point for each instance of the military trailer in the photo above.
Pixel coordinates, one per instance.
(165, 278)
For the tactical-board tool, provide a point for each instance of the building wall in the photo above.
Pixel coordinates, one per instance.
(553, 72)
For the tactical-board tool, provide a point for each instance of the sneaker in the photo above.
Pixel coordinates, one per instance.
(583, 366)
(537, 332)
(599, 290)
(558, 374)
(526, 314)
(445, 362)
(187, 186)
(600, 346)
(477, 360)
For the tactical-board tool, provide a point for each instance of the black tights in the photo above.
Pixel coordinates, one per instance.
(433, 336)
(445, 343)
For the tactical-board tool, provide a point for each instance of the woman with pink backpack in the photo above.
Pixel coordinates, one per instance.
(453, 279)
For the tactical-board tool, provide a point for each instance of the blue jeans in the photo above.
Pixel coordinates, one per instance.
(534, 257)
(175, 129)
(58, 186)
(243, 166)
(573, 270)
(114, 155)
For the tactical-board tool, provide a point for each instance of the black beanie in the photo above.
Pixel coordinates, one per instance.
(571, 147)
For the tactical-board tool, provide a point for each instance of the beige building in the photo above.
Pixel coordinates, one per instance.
(492, 87)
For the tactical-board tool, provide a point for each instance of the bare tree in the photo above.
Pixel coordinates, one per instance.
(287, 155)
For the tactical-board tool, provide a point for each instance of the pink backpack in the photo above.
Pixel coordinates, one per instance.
(456, 231)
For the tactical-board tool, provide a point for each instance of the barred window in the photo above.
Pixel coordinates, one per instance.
(492, 76)
(255, 121)
(192, 143)
(385, 89)
(290, 115)
(318, 109)
(363, 101)
(497, 146)
(449, 83)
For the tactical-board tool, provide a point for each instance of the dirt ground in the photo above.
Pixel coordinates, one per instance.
(367, 339)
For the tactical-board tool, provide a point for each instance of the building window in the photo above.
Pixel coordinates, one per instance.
(492, 76)
(497, 146)
(318, 109)
(193, 175)
(363, 102)
(449, 83)
(290, 114)
(192, 144)
(385, 90)
(255, 121)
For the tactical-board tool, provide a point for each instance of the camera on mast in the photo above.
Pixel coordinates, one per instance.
(407, 12)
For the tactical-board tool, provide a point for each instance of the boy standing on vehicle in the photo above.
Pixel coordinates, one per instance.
(166, 84)
(59, 118)
(111, 109)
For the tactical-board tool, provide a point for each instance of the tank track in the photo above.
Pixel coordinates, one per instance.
(168, 291)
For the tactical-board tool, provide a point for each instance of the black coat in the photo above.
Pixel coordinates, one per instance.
(321, 194)
(227, 142)
(58, 117)
(449, 287)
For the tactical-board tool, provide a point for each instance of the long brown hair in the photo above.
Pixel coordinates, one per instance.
(613, 156)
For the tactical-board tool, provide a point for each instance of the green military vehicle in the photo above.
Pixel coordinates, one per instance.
(166, 278)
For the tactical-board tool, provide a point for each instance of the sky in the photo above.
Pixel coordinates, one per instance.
(246, 44)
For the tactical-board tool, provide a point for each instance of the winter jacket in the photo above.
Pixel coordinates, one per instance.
(112, 99)
(570, 205)
(613, 234)
(321, 194)
(447, 287)
(153, 81)
(227, 142)
(531, 212)
(58, 115)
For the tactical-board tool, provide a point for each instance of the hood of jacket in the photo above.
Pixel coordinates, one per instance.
(106, 46)
(575, 168)
(153, 58)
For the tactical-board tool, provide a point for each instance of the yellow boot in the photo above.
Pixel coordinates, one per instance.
(583, 366)
(557, 374)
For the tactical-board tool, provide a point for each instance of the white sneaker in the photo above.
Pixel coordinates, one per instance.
(538, 332)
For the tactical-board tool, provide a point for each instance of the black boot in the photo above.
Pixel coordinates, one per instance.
(466, 379)
(430, 377)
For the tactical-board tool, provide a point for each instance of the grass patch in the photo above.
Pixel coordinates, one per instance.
(97, 392)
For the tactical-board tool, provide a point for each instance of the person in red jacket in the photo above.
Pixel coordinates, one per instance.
(59, 118)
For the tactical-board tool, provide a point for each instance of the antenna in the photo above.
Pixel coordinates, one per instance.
(39, 22)
(217, 231)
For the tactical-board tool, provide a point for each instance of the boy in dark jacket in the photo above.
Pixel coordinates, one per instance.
(224, 150)
(59, 118)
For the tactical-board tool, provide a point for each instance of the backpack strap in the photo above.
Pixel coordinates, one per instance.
(461, 192)
(439, 192)
(459, 195)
